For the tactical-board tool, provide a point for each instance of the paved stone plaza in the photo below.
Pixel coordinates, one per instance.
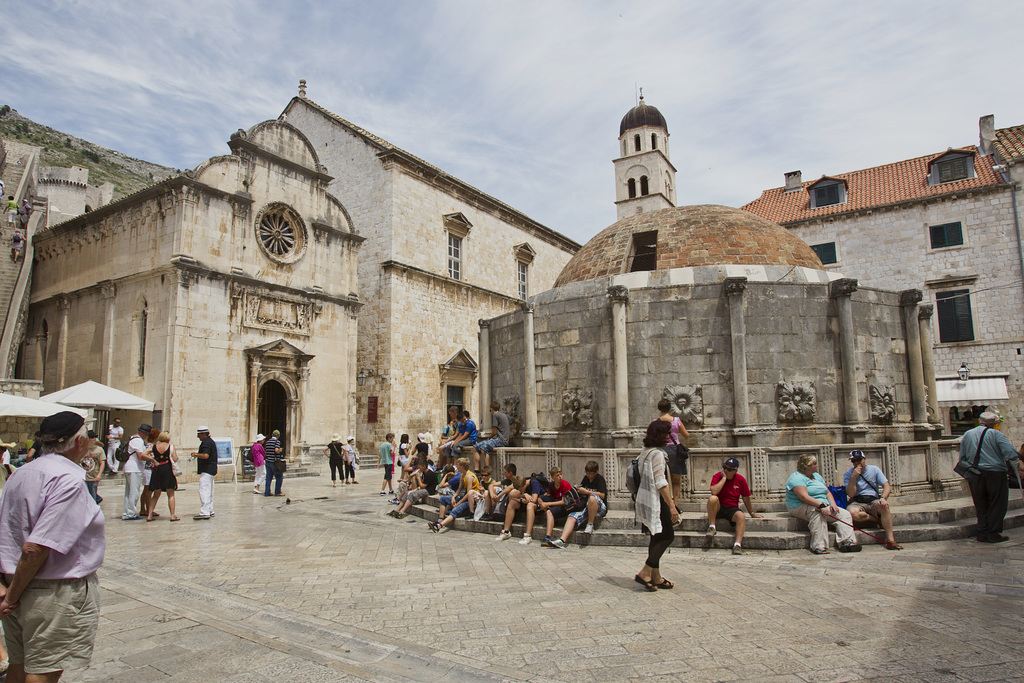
(328, 588)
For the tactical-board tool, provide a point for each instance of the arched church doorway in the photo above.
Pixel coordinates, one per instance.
(273, 412)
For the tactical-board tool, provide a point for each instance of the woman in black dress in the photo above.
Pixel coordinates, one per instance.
(163, 478)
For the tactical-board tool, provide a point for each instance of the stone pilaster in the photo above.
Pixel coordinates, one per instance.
(619, 296)
(909, 300)
(485, 371)
(254, 397)
(64, 303)
(840, 291)
(107, 291)
(529, 350)
(924, 317)
(734, 287)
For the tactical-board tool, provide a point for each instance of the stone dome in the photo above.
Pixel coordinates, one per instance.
(688, 237)
(642, 115)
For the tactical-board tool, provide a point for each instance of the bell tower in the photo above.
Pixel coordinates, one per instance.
(645, 179)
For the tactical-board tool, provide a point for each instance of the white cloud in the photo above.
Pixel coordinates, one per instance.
(523, 99)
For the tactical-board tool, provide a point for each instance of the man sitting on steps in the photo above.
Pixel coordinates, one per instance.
(868, 491)
(727, 487)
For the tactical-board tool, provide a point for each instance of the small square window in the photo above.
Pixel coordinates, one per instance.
(454, 257)
(645, 252)
(826, 252)
(826, 196)
(953, 169)
(953, 310)
(946, 235)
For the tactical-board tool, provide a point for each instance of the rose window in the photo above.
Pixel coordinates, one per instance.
(281, 233)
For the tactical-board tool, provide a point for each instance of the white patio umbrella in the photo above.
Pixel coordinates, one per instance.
(95, 395)
(20, 406)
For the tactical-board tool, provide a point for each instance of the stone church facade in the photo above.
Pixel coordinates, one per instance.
(439, 256)
(226, 295)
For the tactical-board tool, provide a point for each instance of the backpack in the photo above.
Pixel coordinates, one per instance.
(633, 477)
(122, 454)
(573, 500)
(543, 480)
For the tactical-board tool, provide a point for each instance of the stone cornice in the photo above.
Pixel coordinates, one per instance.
(238, 144)
(396, 265)
(335, 232)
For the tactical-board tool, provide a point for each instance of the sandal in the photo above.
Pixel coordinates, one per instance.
(819, 551)
(893, 546)
(175, 519)
(646, 584)
(665, 584)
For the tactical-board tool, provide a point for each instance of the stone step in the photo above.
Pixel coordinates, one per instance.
(935, 521)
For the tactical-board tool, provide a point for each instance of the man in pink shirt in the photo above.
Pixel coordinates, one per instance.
(52, 542)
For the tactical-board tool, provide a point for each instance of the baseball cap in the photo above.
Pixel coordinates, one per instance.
(856, 455)
(732, 463)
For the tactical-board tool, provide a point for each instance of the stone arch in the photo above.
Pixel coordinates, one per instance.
(285, 364)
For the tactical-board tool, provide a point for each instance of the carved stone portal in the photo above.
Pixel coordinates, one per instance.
(687, 403)
(577, 409)
(883, 403)
(796, 401)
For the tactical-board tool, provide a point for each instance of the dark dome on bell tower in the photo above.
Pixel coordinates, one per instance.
(642, 115)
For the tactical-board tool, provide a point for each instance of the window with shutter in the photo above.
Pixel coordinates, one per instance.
(826, 252)
(946, 235)
(953, 309)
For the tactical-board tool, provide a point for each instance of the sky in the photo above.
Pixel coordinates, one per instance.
(523, 99)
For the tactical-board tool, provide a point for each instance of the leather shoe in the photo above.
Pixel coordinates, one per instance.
(995, 538)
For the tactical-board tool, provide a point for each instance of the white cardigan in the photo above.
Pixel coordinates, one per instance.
(647, 506)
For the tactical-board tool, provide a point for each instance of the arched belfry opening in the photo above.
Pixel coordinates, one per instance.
(278, 376)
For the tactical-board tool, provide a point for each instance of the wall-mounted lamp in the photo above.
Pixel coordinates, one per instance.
(361, 378)
(964, 372)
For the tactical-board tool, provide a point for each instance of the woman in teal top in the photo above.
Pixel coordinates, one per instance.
(808, 498)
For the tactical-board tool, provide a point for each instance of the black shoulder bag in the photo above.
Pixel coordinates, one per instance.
(970, 471)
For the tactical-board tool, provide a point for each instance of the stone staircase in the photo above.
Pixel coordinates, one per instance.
(932, 521)
(294, 472)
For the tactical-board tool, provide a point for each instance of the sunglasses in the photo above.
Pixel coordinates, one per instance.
(729, 469)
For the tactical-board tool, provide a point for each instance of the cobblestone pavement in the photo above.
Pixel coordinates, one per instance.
(327, 588)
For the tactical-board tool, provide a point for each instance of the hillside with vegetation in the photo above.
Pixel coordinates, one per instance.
(127, 174)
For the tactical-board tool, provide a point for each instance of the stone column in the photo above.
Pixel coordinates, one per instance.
(300, 409)
(734, 287)
(909, 299)
(254, 397)
(107, 292)
(485, 371)
(529, 350)
(296, 429)
(924, 317)
(840, 291)
(620, 297)
(64, 303)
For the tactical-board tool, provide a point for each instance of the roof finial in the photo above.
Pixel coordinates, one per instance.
(641, 93)
(302, 87)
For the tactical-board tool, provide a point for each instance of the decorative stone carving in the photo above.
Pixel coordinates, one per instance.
(883, 403)
(910, 297)
(268, 312)
(925, 311)
(687, 403)
(510, 406)
(618, 293)
(483, 323)
(527, 307)
(577, 408)
(735, 285)
(796, 401)
(842, 287)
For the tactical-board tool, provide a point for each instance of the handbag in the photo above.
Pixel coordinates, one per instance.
(280, 466)
(970, 472)
(175, 470)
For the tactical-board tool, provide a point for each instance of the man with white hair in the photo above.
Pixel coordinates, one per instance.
(988, 450)
(52, 541)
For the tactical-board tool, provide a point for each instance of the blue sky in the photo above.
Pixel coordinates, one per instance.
(523, 99)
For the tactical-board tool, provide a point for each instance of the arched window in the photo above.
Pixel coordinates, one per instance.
(636, 142)
(654, 141)
(632, 188)
(643, 186)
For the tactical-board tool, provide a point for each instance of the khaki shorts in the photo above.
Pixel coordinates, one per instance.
(870, 508)
(54, 627)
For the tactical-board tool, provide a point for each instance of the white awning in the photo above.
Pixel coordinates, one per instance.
(95, 395)
(975, 391)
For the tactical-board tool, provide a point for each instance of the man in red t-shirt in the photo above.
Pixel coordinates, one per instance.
(727, 487)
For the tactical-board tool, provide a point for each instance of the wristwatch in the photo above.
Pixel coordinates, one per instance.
(823, 506)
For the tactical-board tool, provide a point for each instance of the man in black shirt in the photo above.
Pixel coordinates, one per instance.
(206, 466)
(594, 489)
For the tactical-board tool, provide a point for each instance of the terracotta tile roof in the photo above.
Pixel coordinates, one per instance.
(879, 186)
(1010, 143)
